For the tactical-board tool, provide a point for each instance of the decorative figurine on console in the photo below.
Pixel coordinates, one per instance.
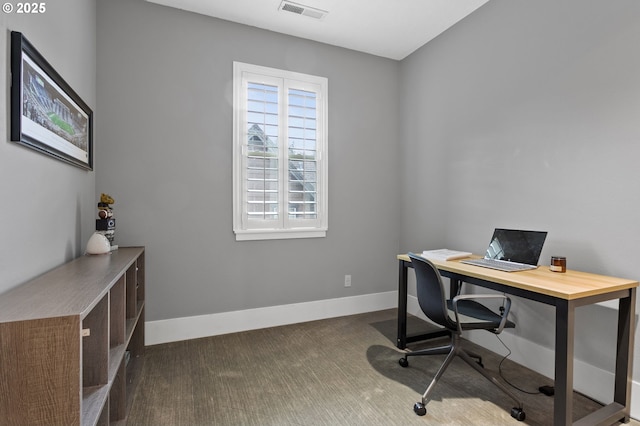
(106, 224)
(105, 210)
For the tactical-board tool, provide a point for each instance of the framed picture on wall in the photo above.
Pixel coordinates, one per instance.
(46, 114)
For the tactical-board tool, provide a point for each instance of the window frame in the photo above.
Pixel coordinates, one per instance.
(284, 227)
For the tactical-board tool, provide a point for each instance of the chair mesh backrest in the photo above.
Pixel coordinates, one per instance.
(431, 295)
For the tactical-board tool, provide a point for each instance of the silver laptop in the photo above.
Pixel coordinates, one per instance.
(512, 250)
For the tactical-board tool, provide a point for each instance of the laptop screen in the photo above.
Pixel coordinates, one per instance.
(516, 246)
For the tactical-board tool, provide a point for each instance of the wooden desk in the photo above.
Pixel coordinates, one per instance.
(566, 291)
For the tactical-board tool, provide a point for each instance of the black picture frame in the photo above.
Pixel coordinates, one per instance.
(46, 113)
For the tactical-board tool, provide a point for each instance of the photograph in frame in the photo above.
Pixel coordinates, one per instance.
(46, 114)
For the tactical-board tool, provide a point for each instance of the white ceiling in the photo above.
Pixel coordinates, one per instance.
(388, 28)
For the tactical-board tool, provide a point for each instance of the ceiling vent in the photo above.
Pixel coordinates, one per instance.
(300, 9)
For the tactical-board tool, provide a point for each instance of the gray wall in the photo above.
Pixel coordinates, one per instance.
(48, 206)
(164, 98)
(526, 115)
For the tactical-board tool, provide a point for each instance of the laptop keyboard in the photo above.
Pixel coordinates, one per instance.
(499, 264)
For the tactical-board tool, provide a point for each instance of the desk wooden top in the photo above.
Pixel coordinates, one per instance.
(568, 285)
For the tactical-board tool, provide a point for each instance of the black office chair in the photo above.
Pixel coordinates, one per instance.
(456, 315)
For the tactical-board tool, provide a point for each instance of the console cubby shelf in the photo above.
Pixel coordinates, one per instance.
(75, 335)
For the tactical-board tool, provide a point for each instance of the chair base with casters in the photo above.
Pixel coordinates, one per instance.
(452, 350)
(463, 312)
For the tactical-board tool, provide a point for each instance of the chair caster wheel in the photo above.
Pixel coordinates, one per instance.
(403, 362)
(518, 414)
(419, 409)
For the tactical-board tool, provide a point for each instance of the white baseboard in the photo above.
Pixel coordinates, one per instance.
(176, 329)
(589, 380)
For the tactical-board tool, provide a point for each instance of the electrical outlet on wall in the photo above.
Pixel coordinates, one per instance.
(347, 280)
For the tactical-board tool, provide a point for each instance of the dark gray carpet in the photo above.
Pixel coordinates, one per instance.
(340, 371)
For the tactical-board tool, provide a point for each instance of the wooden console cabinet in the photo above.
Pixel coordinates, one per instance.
(71, 342)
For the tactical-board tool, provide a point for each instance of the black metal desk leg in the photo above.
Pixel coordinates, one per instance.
(624, 353)
(402, 305)
(402, 338)
(565, 330)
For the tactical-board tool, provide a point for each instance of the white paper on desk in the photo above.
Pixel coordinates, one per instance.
(445, 254)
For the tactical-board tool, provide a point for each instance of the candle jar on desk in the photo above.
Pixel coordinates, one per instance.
(558, 264)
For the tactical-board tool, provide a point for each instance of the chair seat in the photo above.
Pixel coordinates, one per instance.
(476, 315)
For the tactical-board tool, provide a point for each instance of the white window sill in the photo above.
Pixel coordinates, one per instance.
(271, 234)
